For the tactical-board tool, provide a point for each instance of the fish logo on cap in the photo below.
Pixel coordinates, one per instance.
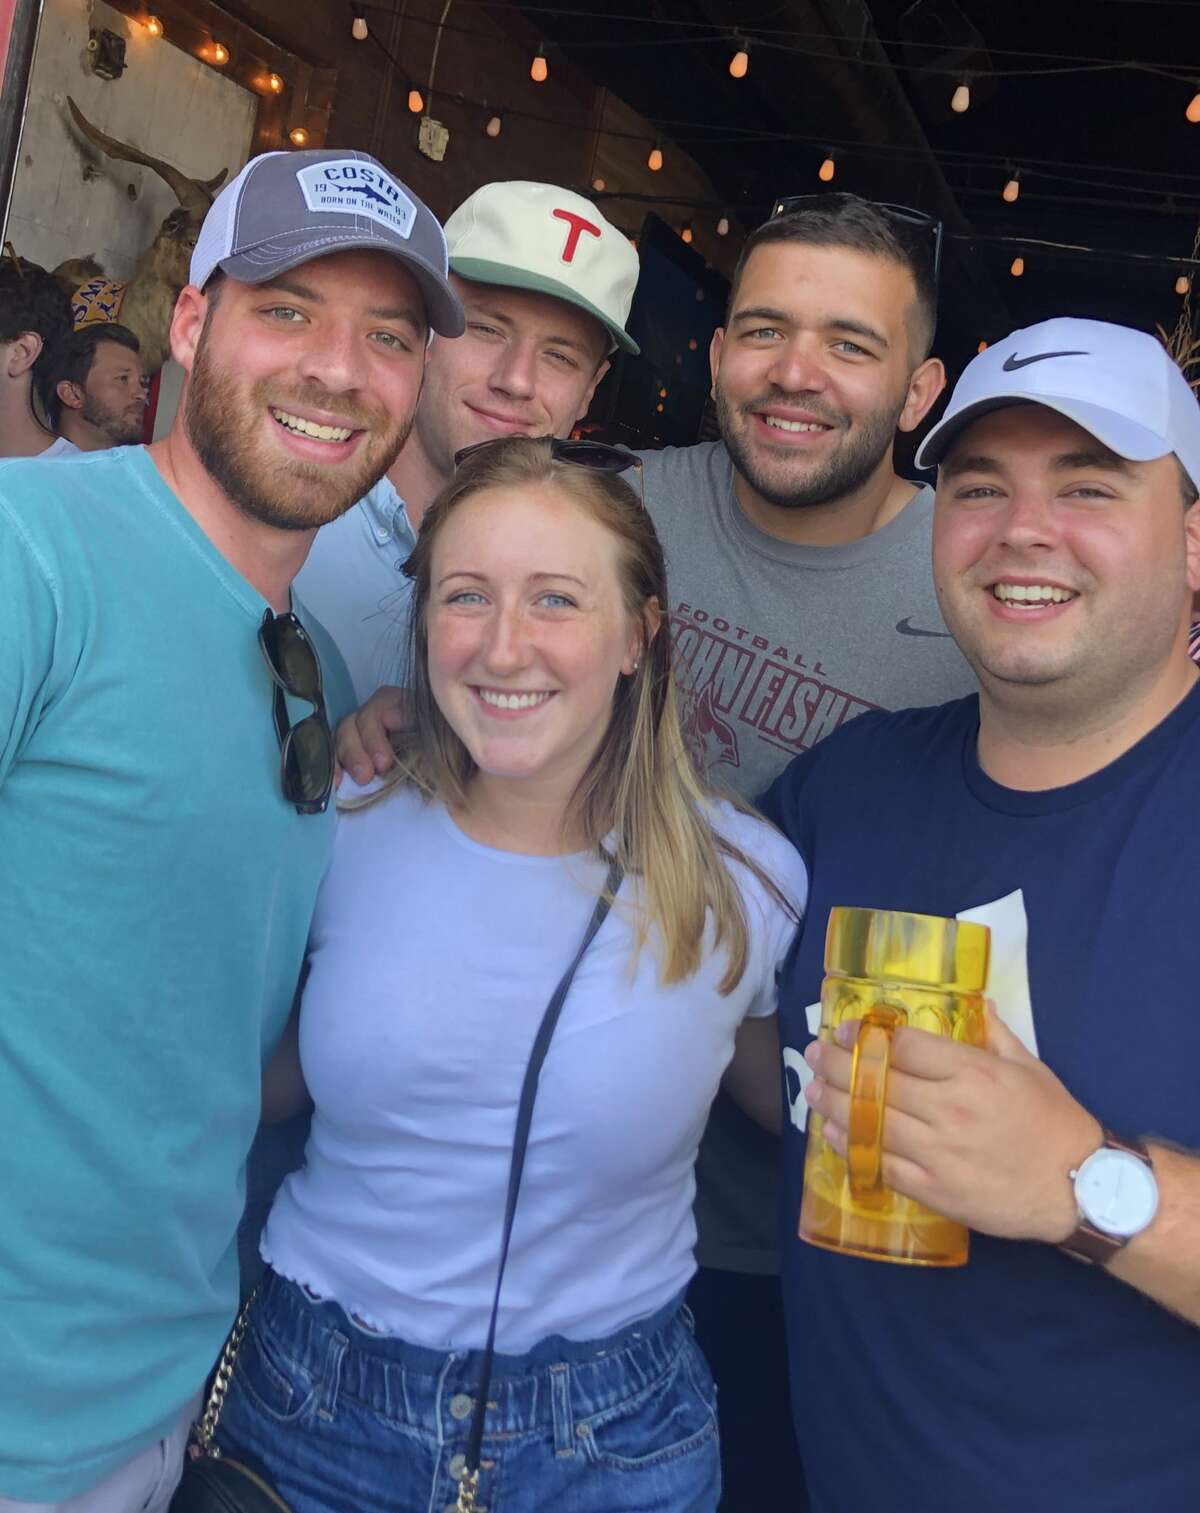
(351, 187)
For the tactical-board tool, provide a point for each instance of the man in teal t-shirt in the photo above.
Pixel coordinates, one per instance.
(159, 855)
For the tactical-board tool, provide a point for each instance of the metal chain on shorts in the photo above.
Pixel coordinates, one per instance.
(467, 1488)
(207, 1425)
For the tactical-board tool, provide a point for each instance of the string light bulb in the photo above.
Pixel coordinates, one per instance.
(1183, 284)
(416, 100)
(539, 68)
(275, 84)
(740, 62)
(982, 347)
(1012, 190)
(358, 27)
(220, 53)
(723, 226)
(1018, 267)
(827, 170)
(685, 231)
(494, 126)
(599, 185)
(1193, 110)
(960, 100)
(655, 161)
(298, 137)
(154, 27)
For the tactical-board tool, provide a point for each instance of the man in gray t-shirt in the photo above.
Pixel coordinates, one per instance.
(801, 594)
(780, 642)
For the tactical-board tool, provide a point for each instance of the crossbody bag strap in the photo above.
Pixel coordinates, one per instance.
(541, 1044)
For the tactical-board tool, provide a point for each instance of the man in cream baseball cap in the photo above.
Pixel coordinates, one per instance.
(521, 235)
(547, 283)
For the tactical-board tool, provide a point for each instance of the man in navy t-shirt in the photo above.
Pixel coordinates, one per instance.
(1060, 1368)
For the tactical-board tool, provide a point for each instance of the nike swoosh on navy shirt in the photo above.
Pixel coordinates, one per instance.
(906, 629)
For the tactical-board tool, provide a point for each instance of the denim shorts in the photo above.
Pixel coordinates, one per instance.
(341, 1419)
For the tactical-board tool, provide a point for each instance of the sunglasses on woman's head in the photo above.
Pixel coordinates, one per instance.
(596, 455)
(306, 749)
(908, 218)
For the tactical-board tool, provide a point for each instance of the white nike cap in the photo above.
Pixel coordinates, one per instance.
(1120, 385)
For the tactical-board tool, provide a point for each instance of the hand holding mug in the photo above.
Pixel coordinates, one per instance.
(982, 1135)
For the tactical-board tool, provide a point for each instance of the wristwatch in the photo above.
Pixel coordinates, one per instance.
(1117, 1196)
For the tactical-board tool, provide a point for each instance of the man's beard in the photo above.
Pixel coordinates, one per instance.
(795, 482)
(120, 426)
(222, 420)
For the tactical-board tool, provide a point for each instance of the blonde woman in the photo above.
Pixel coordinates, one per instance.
(545, 765)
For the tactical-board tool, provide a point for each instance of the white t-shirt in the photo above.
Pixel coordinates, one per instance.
(432, 961)
(59, 447)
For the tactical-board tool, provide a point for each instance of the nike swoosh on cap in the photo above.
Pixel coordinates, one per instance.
(1011, 364)
(907, 629)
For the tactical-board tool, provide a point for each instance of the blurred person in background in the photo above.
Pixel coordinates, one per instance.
(93, 387)
(35, 314)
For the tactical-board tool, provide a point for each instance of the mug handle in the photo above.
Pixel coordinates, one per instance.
(868, 1092)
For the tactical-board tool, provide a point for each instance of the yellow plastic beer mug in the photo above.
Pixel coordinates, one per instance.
(888, 969)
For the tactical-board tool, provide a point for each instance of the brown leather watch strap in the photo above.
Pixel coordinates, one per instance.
(1092, 1245)
(1089, 1244)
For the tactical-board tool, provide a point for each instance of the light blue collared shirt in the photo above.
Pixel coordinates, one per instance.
(354, 584)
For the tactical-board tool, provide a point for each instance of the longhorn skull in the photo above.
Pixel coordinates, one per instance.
(145, 302)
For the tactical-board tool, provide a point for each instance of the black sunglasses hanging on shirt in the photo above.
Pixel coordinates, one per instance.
(306, 749)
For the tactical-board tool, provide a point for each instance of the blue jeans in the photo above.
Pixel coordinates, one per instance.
(340, 1418)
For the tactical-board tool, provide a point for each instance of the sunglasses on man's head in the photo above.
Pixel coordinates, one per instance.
(908, 218)
(306, 749)
(596, 455)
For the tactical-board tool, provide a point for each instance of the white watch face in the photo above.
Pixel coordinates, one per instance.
(1116, 1192)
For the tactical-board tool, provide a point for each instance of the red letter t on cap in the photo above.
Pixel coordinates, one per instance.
(578, 226)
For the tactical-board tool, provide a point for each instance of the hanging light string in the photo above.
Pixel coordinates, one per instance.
(685, 134)
(754, 214)
(1172, 185)
(1104, 254)
(1183, 343)
(781, 40)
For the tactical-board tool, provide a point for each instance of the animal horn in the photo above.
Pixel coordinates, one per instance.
(192, 194)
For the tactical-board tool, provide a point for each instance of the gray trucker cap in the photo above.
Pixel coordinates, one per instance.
(286, 208)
